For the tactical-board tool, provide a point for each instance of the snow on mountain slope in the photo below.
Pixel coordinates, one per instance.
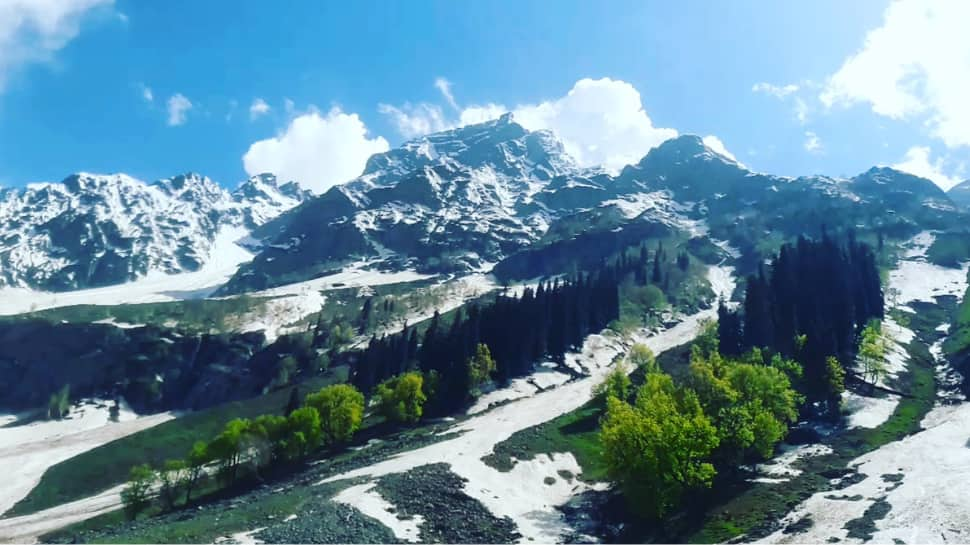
(452, 201)
(95, 230)
(224, 258)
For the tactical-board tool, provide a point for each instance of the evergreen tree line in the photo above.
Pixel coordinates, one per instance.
(545, 322)
(813, 304)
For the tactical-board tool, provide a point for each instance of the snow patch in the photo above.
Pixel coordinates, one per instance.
(368, 501)
(868, 412)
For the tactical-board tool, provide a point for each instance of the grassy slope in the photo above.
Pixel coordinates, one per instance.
(106, 466)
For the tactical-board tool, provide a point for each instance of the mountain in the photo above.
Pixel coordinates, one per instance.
(960, 194)
(468, 198)
(95, 230)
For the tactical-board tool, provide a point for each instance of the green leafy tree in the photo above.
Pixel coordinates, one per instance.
(872, 352)
(341, 410)
(227, 447)
(401, 398)
(172, 479)
(59, 403)
(656, 449)
(751, 404)
(273, 433)
(641, 357)
(480, 367)
(304, 434)
(196, 461)
(834, 382)
(616, 384)
(136, 496)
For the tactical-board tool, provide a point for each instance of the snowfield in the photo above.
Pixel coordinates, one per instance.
(927, 506)
(32, 448)
(224, 259)
(522, 493)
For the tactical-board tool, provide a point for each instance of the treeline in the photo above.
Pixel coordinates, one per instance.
(812, 304)
(672, 438)
(545, 322)
(328, 417)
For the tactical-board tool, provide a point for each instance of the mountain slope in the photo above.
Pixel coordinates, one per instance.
(95, 230)
(467, 198)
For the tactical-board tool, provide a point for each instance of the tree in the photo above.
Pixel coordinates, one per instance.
(872, 352)
(641, 357)
(341, 410)
(137, 492)
(196, 460)
(401, 398)
(480, 366)
(227, 447)
(304, 434)
(59, 403)
(656, 449)
(172, 478)
(835, 379)
(750, 404)
(616, 384)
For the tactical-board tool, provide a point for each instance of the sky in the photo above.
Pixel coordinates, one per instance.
(308, 90)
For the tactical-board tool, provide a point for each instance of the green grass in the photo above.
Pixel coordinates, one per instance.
(108, 465)
(575, 432)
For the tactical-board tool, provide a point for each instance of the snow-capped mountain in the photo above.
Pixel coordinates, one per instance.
(94, 230)
(466, 198)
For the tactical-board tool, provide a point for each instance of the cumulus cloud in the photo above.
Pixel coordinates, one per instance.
(257, 108)
(813, 144)
(915, 66)
(917, 162)
(317, 151)
(178, 108)
(33, 30)
(600, 122)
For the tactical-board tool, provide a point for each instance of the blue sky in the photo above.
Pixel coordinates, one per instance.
(788, 88)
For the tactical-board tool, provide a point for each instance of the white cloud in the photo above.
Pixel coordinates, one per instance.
(146, 93)
(178, 108)
(257, 108)
(777, 91)
(813, 144)
(600, 122)
(915, 66)
(34, 30)
(718, 146)
(444, 86)
(918, 163)
(412, 120)
(317, 151)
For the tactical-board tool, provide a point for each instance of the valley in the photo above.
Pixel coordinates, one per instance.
(464, 239)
